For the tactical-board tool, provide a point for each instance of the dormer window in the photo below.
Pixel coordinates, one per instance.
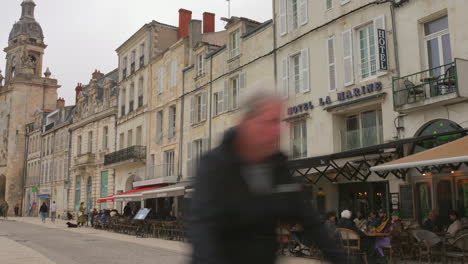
(234, 43)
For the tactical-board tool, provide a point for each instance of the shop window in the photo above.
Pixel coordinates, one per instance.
(438, 127)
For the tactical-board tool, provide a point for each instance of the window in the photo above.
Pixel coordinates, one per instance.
(44, 143)
(195, 150)
(140, 92)
(159, 126)
(234, 43)
(328, 4)
(142, 55)
(367, 50)
(363, 130)
(133, 58)
(122, 102)
(90, 142)
(344, 1)
(172, 121)
(139, 136)
(131, 97)
(439, 51)
(331, 64)
(296, 73)
(200, 64)
(161, 80)
(168, 163)
(198, 108)
(299, 139)
(121, 140)
(130, 138)
(218, 103)
(124, 66)
(292, 14)
(174, 73)
(234, 93)
(104, 183)
(78, 145)
(105, 138)
(48, 146)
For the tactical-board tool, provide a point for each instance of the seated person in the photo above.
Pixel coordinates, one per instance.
(432, 223)
(454, 227)
(360, 221)
(373, 221)
(298, 237)
(395, 229)
(346, 222)
(330, 224)
(384, 222)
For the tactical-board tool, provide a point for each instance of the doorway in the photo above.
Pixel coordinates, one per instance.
(365, 197)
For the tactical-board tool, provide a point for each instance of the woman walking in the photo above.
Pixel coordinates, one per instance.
(82, 216)
(43, 210)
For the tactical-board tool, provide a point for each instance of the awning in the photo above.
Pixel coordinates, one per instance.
(454, 152)
(133, 195)
(43, 196)
(107, 199)
(168, 191)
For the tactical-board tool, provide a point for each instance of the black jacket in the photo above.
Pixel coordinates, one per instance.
(349, 224)
(230, 224)
(43, 209)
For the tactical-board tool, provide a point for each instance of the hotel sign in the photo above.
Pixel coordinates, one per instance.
(300, 108)
(351, 94)
(382, 41)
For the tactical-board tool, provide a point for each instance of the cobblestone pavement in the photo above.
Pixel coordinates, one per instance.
(27, 240)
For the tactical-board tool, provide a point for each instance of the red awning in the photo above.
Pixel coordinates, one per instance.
(111, 198)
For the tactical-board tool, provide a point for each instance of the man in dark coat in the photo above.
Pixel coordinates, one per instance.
(243, 190)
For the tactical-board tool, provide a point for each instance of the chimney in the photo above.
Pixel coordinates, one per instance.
(185, 16)
(78, 89)
(208, 22)
(97, 75)
(60, 103)
(195, 33)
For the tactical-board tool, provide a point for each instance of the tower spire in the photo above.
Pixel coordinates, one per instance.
(28, 9)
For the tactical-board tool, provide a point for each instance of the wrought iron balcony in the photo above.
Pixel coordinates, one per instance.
(430, 87)
(134, 153)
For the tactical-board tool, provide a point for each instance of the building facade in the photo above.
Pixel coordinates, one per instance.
(93, 137)
(23, 93)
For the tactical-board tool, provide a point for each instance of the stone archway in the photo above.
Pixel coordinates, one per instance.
(2, 187)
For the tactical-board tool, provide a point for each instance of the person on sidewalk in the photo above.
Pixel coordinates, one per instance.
(243, 189)
(82, 215)
(43, 210)
(5, 209)
(16, 210)
(53, 212)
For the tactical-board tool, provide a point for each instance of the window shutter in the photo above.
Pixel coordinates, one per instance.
(242, 84)
(203, 106)
(303, 12)
(220, 102)
(283, 18)
(227, 105)
(192, 110)
(174, 73)
(305, 73)
(289, 14)
(348, 57)
(189, 159)
(331, 64)
(379, 23)
(285, 79)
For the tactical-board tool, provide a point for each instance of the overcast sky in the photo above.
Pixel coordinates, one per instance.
(82, 35)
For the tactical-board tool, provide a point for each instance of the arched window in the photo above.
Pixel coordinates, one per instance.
(436, 127)
(77, 192)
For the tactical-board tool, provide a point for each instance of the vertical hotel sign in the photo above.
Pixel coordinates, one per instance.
(383, 57)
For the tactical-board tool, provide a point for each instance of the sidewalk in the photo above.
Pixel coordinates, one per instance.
(175, 246)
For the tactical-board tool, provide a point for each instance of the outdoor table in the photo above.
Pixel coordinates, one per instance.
(378, 234)
(433, 85)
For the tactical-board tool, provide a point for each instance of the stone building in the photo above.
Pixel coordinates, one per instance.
(92, 137)
(23, 93)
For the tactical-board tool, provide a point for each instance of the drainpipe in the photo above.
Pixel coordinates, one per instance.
(181, 128)
(395, 39)
(68, 169)
(25, 166)
(275, 55)
(210, 104)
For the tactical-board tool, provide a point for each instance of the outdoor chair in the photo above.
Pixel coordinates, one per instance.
(351, 241)
(448, 81)
(415, 92)
(458, 250)
(427, 244)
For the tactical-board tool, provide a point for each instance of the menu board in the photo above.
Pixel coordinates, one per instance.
(141, 215)
(406, 201)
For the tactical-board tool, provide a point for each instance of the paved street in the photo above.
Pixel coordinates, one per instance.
(27, 240)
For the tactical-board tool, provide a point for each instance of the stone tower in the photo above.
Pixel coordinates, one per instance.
(22, 93)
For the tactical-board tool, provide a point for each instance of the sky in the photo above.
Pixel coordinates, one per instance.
(82, 35)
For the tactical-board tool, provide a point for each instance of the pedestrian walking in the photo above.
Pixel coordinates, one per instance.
(243, 190)
(2, 214)
(16, 210)
(5, 209)
(53, 212)
(81, 215)
(43, 210)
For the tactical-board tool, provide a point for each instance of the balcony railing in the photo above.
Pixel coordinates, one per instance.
(361, 138)
(131, 153)
(427, 84)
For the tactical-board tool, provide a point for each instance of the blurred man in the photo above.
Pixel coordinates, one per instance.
(243, 190)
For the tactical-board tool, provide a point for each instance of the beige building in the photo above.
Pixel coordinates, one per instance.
(92, 138)
(23, 93)
(130, 157)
